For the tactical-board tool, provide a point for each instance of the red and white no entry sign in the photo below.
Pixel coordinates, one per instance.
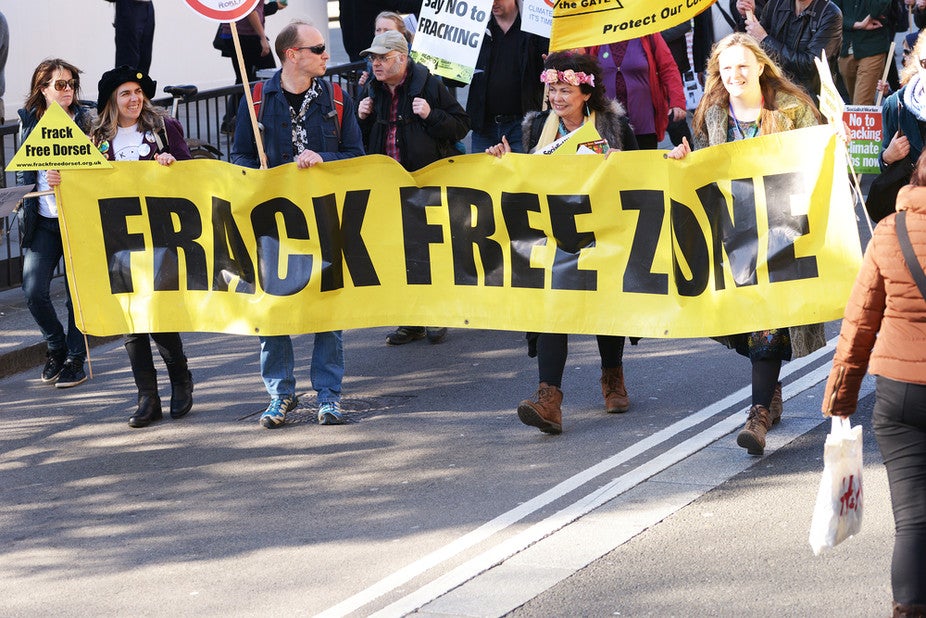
(223, 10)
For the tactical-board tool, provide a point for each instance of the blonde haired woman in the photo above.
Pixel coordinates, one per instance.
(745, 95)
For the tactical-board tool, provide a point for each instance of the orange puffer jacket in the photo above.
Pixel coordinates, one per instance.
(885, 321)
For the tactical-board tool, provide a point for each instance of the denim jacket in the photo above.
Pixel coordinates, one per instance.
(320, 123)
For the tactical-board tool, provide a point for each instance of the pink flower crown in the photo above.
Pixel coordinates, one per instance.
(552, 76)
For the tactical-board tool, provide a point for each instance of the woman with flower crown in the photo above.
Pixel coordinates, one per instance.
(576, 95)
(746, 94)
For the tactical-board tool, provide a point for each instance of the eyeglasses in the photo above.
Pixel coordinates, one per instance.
(61, 84)
(384, 58)
(318, 50)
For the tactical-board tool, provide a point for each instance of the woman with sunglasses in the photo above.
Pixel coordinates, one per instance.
(902, 134)
(53, 81)
(129, 128)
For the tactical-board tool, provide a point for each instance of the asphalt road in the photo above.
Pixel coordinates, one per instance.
(433, 498)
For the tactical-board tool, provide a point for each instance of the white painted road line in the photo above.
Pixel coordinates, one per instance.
(517, 543)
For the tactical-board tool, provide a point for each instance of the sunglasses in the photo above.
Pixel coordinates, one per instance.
(61, 84)
(318, 50)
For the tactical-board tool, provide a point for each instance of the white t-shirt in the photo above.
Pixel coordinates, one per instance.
(48, 207)
(721, 25)
(127, 144)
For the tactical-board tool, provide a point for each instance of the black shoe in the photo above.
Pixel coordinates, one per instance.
(181, 396)
(149, 411)
(405, 334)
(72, 374)
(53, 365)
(435, 334)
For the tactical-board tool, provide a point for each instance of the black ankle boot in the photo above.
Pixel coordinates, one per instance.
(149, 410)
(181, 395)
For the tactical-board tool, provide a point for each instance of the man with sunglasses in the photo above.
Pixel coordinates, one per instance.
(302, 125)
(408, 114)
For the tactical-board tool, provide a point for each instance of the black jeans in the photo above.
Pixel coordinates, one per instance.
(552, 350)
(899, 420)
(171, 348)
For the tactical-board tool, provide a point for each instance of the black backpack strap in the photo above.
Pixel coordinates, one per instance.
(909, 255)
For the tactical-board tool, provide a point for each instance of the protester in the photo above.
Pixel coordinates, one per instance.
(129, 128)
(884, 331)
(746, 94)
(301, 125)
(358, 19)
(721, 19)
(387, 20)
(134, 24)
(255, 51)
(576, 96)
(4, 52)
(53, 81)
(409, 115)
(902, 132)
(676, 39)
(865, 43)
(794, 33)
(909, 41)
(505, 85)
(641, 75)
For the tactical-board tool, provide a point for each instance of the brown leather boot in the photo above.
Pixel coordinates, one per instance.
(775, 407)
(613, 389)
(908, 611)
(545, 413)
(752, 436)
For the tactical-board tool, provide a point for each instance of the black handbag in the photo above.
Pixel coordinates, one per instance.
(882, 195)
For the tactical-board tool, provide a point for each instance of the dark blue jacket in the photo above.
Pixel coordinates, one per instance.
(532, 51)
(906, 121)
(29, 213)
(320, 123)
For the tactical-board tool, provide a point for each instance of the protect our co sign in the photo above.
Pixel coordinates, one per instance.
(223, 10)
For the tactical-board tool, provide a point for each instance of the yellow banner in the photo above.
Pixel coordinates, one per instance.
(583, 23)
(748, 235)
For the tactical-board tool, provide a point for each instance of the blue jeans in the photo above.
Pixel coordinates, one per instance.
(277, 366)
(39, 264)
(491, 134)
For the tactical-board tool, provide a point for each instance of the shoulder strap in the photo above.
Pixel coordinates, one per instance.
(726, 16)
(257, 96)
(337, 103)
(160, 137)
(909, 255)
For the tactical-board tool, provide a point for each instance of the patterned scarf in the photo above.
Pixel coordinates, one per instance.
(915, 97)
(300, 137)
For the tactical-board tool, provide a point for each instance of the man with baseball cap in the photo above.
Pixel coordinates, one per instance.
(408, 114)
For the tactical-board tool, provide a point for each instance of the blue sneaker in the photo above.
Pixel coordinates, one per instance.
(275, 414)
(329, 413)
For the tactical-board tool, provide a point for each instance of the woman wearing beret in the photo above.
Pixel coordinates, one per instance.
(53, 81)
(129, 128)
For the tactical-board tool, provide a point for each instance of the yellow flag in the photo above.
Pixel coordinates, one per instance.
(584, 23)
(57, 143)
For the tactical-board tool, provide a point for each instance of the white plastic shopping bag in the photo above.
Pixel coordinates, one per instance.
(837, 514)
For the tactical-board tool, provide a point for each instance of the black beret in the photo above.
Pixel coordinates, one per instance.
(116, 77)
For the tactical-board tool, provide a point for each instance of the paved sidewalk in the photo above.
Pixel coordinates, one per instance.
(21, 342)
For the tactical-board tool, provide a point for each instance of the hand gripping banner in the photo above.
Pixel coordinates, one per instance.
(744, 236)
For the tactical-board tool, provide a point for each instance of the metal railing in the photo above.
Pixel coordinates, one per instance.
(201, 116)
